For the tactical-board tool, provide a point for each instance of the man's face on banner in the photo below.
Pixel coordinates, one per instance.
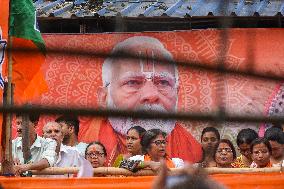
(141, 84)
(135, 85)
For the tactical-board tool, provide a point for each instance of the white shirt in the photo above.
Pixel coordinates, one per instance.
(177, 161)
(81, 147)
(42, 148)
(69, 157)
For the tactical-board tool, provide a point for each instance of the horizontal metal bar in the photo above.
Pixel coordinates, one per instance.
(186, 116)
(189, 64)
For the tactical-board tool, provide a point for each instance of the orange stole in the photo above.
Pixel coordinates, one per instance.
(113, 142)
(181, 144)
(169, 162)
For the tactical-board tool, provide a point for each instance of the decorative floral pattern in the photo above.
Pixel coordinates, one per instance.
(73, 79)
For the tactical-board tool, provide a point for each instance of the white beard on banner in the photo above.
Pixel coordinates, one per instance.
(122, 125)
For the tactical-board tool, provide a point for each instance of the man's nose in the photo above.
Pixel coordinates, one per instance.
(53, 134)
(149, 93)
(260, 155)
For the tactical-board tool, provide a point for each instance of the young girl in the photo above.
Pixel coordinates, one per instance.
(261, 151)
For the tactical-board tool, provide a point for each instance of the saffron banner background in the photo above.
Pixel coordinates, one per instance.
(73, 80)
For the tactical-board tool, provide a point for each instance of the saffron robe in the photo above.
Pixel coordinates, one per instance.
(180, 144)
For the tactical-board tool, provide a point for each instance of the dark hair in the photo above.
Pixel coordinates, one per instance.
(140, 130)
(246, 136)
(196, 180)
(34, 117)
(274, 134)
(71, 121)
(210, 129)
(98, 143)
(230, 144)
(277, 125)
(261, 141)
(149, 136)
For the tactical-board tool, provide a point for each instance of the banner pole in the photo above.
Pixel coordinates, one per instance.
(7, 160)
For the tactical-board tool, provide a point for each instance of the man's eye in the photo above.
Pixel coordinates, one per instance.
(163, 83)
(205, 139)
(133, 83)
(213, 139)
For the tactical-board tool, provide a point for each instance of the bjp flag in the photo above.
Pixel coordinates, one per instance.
(27, 76)
(21, 27)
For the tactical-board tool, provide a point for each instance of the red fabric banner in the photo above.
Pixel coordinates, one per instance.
(75, 80)
(232, 181)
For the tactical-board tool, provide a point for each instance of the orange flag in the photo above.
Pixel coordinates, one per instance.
(19, 21)
(27, 76)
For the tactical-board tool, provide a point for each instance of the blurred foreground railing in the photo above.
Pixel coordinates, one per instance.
(119, 171)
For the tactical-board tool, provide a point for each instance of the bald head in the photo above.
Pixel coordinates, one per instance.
(145, 48)
(53, 130)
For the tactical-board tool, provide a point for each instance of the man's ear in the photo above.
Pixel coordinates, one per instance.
(71, 129)
(102, 97)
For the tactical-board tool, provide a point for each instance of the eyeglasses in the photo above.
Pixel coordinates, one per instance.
(228, 150)
(95, 154)
(159, 142)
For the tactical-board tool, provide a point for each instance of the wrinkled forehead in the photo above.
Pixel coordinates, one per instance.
(124, 67)
(147, 60)
(53, 126)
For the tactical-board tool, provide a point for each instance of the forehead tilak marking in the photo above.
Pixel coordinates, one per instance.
(148, 67)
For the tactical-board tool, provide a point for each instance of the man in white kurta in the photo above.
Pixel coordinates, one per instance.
(67, 156)
(42, 150)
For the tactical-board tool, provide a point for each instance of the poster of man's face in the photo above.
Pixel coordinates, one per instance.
(156, 78)
(148, 82)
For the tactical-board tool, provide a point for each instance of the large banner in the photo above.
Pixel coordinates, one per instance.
(143, 83)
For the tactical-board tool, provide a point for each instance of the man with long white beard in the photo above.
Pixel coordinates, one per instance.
(142, 84)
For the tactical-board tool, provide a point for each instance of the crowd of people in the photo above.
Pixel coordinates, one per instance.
(59, 147)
